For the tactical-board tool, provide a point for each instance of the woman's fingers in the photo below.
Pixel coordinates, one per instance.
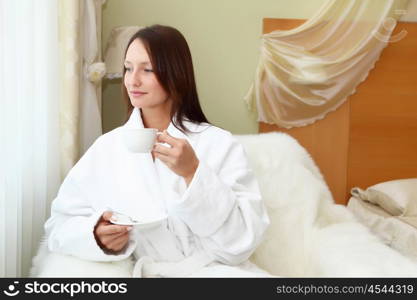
(180, 158)
(164, 137)
(106, 216)
(179, 148)
(110, 229)
(109, 240)
(162, 149)
(111, 236)
(167, 159)
(118, 243)
(106, 239)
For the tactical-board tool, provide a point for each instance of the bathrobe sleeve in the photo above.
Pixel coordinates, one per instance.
(222, 205)
(70, 228)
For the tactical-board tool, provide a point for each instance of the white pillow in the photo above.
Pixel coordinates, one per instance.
(397, 197)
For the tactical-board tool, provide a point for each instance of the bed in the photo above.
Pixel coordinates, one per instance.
(389, 209)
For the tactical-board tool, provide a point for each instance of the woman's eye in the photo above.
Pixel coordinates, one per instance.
(148, 70)
(128, 69)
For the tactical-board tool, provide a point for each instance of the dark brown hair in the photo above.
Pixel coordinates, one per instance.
(172, 64)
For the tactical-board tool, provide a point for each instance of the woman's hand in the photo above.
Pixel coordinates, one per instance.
(111, 237)
(180, 158)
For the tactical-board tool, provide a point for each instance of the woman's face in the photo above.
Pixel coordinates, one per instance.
(140, 81)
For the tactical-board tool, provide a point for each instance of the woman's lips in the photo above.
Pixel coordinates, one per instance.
(137, 93)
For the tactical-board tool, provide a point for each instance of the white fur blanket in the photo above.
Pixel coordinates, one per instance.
(309, 236)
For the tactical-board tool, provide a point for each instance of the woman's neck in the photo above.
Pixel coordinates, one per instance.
(158, 117)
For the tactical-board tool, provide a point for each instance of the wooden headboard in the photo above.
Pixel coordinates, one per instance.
(372, 137)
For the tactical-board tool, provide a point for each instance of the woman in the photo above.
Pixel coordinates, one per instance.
(200, 179)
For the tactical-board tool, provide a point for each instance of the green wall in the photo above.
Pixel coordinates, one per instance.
(224, 37)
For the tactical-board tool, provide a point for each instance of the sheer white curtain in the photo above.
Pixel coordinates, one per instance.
(81, 71)
(94, 70)
(29, 128)
(307, 72)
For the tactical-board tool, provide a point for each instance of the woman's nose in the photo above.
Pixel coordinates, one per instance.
(134, 79)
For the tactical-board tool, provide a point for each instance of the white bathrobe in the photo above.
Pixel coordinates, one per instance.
(215, 222)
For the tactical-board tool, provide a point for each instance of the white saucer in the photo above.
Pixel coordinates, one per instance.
(140, 224)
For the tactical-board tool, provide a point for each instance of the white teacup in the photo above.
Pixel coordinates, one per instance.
(139, 140)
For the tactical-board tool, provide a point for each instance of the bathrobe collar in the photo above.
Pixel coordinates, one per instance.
(135, 121)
